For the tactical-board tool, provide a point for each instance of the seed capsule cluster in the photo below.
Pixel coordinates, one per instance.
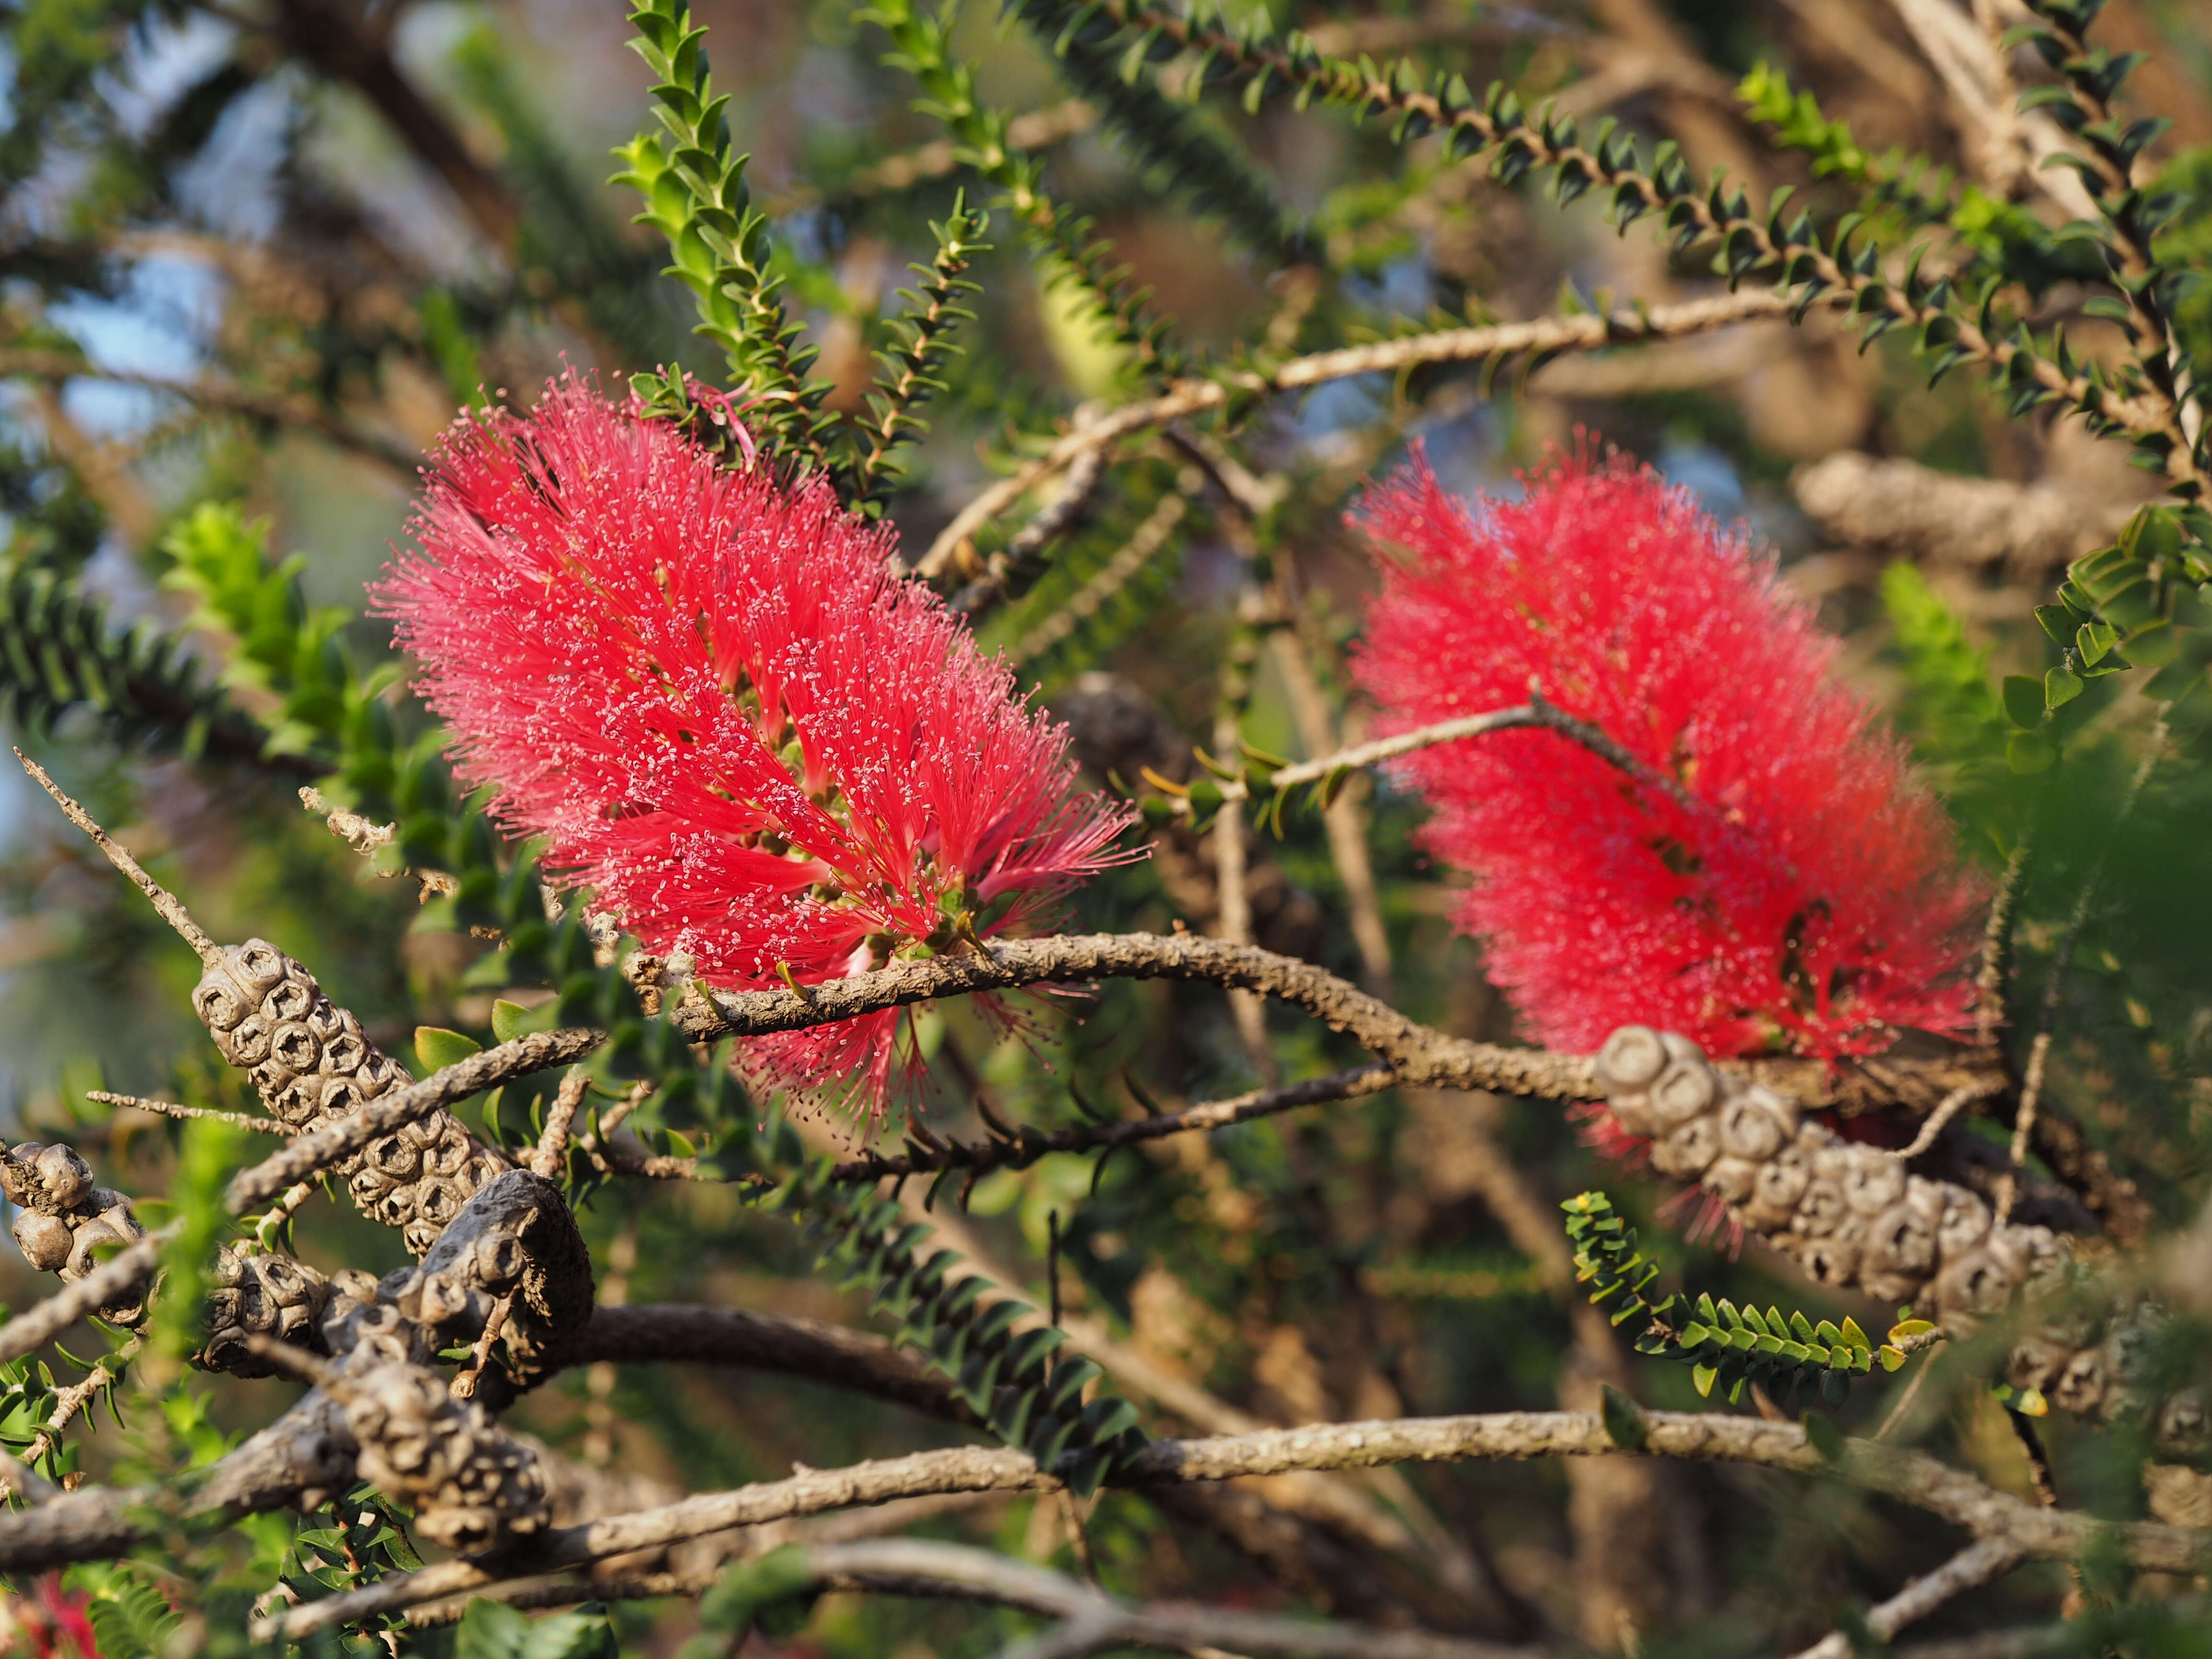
(261, 1294)
(1850, 1213)
(64, 1218)
(472, 1486)
(2098, 1362)
(311, 1063)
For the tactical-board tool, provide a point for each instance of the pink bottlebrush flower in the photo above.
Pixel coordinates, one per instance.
(1810, 898)
(753, 743)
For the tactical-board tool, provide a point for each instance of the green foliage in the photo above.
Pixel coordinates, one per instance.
(1073, 257)
(772, 1593)
(58, 652)
(2140, 603)
(1906, 193)
(1165, 136)
(129, 1614)
(1015, 1382)
(921, 345)
(1955, 720)
(281, 647)
(208, 1151)
(1736, 1347)
(492, 1630)
(696, 195)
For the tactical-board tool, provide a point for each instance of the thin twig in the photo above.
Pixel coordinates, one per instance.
(925, 1567)
(1910, 1477)
(999, 1153)
(1969, 1569)
(1144, 544)
(165, 903)
(121, 1276)
(1545, 334)
(1537, 712)
(552, 1151)
(1951, 1104)
(79, 1396)
(2046, 1018)
(1903, 1406)
(274, 1219)
(330, 1144)
(268, 1126)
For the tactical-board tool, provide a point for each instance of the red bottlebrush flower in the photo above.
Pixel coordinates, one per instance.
(1809, 899)
(53, 1623)
(758, 747)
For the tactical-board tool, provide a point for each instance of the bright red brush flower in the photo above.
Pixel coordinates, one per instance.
(1809, 899)
(754, 744)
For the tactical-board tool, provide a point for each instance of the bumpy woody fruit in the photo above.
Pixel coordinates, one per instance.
(65, 1219)
(311, 1064)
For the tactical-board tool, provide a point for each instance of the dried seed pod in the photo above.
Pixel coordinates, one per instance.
(1688, 1150)
(261, 1294)
(1632, 1059)
(473, 1487)
(45, 1240)
(1778, 1189)
(2081, 1383)
(1872, 1180)
(1833, 1258)
(311, 1062)
(2185, 1424)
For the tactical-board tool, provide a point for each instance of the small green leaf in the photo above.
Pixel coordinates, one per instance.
(1905, 1330)
(1624, 1420)
(2023, 701)
(2093, 639)
(2061, 686)
(437, 1048)
(1704, 1377)
(1824, 1437)
(1892, 1358)
(510, 1020)
(2029, 753)
(1853, 1336)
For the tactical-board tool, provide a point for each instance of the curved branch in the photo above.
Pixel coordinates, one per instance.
(1540, 337)
(308, 1155)
(926, 1567)
(1413, 1051)
(681, 1333)
(1019, 1151)
(1909, 1477)
(115, 1279)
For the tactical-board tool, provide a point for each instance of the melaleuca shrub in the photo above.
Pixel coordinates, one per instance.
(753, 743)
(1806, 897)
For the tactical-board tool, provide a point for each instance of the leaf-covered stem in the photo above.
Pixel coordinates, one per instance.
(921, 344)
(1789, 251)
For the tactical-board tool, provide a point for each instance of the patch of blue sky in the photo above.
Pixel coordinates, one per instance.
(162, 59)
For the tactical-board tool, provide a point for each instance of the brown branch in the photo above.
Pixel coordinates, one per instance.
(170, 1108)
(1543, 336)
(679, 1333)
(115, 1279)
(335, 1141)
(1969, 1569)
(217, 396)
(1909, 1477)
(1900, 507)
(170, 909)
(1416, 1052)
(998, 1152)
